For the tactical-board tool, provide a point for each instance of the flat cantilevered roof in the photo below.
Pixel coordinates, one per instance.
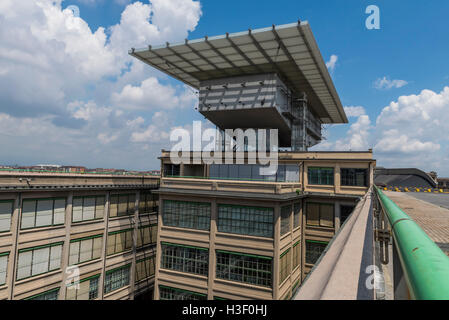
(288, 50)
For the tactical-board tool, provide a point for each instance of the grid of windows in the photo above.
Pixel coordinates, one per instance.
(3, 267)
(116, 278)
(182, 214)
(253, 221)
(87, 289)
(286, 212)
(49, 295)
(148, 203)
(85, 249)
(320, 214)
(321, 176)
(145, 268)
(296, 214)
(168, 293)
(314, 249)
(6, 209)
(38, 260)
(185, 259)
(146, 235)
(296, 254)
(284, 173)
(42, 213)
(354, 177)
(284, 265)
(245, 268)
(119, 241)
(87, 208)
(122, 205)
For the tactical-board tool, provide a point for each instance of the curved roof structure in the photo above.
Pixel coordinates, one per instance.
(287, 50)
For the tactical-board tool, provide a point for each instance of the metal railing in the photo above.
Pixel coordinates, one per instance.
(424, 265)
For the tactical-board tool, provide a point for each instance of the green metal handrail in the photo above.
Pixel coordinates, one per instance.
(425, 266)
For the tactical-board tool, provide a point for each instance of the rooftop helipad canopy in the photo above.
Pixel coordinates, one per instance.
(288, 50)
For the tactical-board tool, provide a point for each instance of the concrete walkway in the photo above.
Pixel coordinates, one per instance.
(433, 219)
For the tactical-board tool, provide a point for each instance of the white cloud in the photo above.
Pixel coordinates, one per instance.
(332, 62)
(151, 94)
(386, 83)
(58, 79)
(395, 142)
(354, 111)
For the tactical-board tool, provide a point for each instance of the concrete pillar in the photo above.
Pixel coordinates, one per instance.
(66, 246)
(157, 263)
(212, 254)
(337, 213)
(12, 259)
(104, 247)
(337, 178)
(135, 224)
(276, 253)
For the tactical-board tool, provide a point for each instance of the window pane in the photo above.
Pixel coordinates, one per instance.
(111, 244)
(41, 259)
(55, 257)
(24, 265)
(59, 211)
(285, 219)
(313, 214)
(113, 206)
(89, 208)
(77, 209)
(28, 214)
(99, 207)
(86, 250)
(44, 215)
(3, 269)
(5, 215)
(74, 253)
(327, 215)
(98, 243)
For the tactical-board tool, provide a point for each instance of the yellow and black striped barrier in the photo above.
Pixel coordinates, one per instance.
(413, 189)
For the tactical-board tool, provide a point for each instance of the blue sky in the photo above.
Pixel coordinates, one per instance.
(84, 101)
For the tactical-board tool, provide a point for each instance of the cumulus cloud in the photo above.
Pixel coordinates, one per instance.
(332, 62)
(385, 83)
(64, 86)
(354, 111)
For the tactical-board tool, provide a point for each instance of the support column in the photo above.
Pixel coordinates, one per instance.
(66, 246)
(276, 252)
(12, 259)
(135, 220)
(104, 247)
(212, 254)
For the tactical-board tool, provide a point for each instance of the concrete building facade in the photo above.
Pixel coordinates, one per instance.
(77, 236)
(222, 238)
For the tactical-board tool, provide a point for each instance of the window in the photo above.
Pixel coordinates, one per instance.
(284, 265)
(284, 173)
(296, 254)
(345, 212)
(182, 214)
(145, 268)
(88, 289)
(172, 170)
(253, 221)
(39, 260)
(296, 215)
(245, 268)
(354, 177)
(148, 203)
(320, 214)
(286, 212)
(116, 278)
(87, 208)
(85, 249)
(320, 176)
(146, 235)
(6, 209)
(49, 295)
(314, 249)
(185, 259)
(122, 205)
(119, 241)
(3, 267)
(42, 213)
(168, 293)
